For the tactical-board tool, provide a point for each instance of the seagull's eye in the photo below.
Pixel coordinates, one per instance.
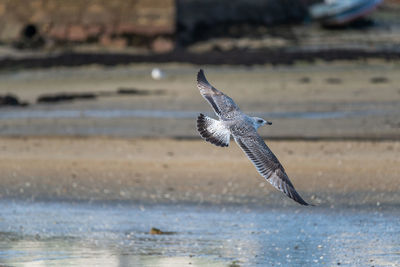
(260, 121)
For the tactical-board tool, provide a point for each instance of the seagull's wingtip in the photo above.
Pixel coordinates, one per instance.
(300, 200)
(201, 78)
(200, 73)
(306, 204)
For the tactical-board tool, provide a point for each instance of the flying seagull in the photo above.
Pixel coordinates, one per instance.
(233, 122)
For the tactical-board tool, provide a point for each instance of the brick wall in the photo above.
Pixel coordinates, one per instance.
(105, 21)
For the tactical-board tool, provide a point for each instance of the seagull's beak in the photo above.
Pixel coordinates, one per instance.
(268, 122)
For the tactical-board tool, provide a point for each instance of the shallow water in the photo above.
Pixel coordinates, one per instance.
(65, 234)
(174, 114)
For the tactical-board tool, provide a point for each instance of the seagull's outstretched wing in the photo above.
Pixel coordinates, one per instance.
(222, 104)
(267, 164)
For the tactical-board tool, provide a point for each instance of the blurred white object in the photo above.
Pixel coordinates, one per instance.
(157, 74)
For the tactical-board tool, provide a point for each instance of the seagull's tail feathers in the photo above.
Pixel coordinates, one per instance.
(213, 131)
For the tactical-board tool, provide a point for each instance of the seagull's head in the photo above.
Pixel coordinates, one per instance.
(258, 122)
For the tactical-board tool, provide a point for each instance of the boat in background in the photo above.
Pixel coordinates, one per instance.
(342, 12)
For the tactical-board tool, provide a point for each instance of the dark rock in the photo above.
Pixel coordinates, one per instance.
(11, 100)
(62, 97)
(379, 80)
(134, 91)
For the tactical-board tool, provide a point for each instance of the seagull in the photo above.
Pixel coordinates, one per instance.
(243, 128)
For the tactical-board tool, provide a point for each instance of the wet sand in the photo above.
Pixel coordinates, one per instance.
(145, 147)
(193, 171)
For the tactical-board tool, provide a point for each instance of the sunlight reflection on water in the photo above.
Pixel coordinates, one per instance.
(38, 234)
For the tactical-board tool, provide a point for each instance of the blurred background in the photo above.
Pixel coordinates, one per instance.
(101, 162)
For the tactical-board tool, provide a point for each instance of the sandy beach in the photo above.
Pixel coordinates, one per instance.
(84, 179)
(335, 129)
(192, 171)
